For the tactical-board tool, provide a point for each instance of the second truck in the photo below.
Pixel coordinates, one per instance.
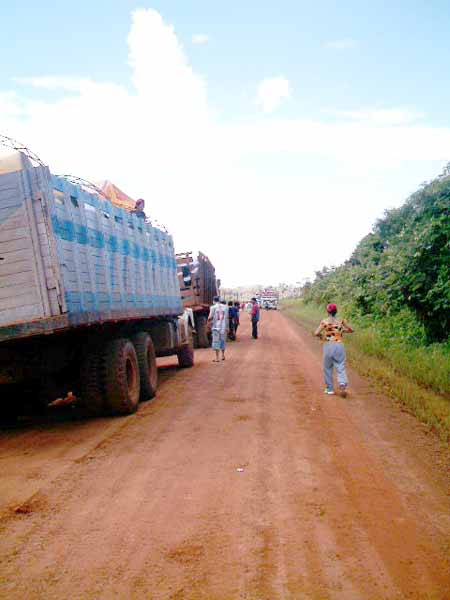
(198, 286)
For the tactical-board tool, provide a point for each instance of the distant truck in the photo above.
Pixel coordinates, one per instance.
(268, 299)
(89, 296)
(198, 286)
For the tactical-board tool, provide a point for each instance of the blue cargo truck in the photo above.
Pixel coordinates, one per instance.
(89, 296)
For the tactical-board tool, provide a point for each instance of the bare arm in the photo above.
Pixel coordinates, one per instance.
(318, 331)
(347, 328)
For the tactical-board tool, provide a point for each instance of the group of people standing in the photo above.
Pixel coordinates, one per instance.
(224, 321)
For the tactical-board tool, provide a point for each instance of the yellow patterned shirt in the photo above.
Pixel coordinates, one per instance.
(332, 330)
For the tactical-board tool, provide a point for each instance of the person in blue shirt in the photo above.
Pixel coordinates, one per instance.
(237, 306)
(231, 321)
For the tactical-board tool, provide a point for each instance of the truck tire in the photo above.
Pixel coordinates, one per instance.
(186, 353)
(10, 407)
(195, 340)
(202, 332)
(9, 416)
(92, 389)
(122, 381)
(148, 371)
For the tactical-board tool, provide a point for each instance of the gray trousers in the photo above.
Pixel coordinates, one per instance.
(334, 356)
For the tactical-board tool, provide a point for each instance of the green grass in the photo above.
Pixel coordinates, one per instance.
(416, 375)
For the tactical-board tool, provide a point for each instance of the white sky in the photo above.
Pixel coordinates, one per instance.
(269, 198)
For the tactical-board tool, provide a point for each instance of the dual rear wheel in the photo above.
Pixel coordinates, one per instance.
(201, 325)
(148, 371)
(186, 354)
(117, 375)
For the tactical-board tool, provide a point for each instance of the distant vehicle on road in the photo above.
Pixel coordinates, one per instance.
(269, 305)
(268, 299)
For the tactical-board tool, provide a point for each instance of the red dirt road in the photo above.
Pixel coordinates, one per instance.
(241, 480)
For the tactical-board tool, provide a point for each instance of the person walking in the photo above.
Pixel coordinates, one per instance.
(218, 318)
(237, 317)
(331, 331)
(254, 316)
(231, 321)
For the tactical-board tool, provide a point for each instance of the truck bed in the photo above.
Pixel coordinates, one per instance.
(197, 281)
(68, 257)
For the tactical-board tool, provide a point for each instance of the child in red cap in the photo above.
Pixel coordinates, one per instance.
(331, 331)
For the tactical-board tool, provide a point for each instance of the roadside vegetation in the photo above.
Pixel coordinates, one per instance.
(395, 289)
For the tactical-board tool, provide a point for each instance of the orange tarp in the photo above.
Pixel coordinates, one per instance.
(117, 197)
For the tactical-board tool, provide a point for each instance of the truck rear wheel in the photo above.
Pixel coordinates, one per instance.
(10, 406)
(148, 371)
(92, 390)
(186, 354)
(122, 381)
(202, 332)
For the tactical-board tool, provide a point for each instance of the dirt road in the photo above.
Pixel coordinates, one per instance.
(240, 480)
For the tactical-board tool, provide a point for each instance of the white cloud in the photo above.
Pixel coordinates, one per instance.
(389, 116)
(68, 84)
(352, 142)
(200, 38)
(161, 142)
(10, 105)
(342, 44)
(271, 93)
(163, 78)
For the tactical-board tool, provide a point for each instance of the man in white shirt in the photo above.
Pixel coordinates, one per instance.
(218, 317)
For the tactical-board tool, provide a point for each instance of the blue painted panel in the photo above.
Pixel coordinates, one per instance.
(111, 262)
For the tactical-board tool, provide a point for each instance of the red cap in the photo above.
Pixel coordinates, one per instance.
(331, 307)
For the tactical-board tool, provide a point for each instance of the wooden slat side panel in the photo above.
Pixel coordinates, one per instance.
(50, 265)
(34, 186)
(27, 297)
(17, 289)
(19, 298)
(21, 266)
(10, 247)
(22, 314)
(18, 256)
(8, 280)
(14, 233)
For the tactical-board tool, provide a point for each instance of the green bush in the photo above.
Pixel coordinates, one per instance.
(404, 262)
(392, 351)
(398, 339)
